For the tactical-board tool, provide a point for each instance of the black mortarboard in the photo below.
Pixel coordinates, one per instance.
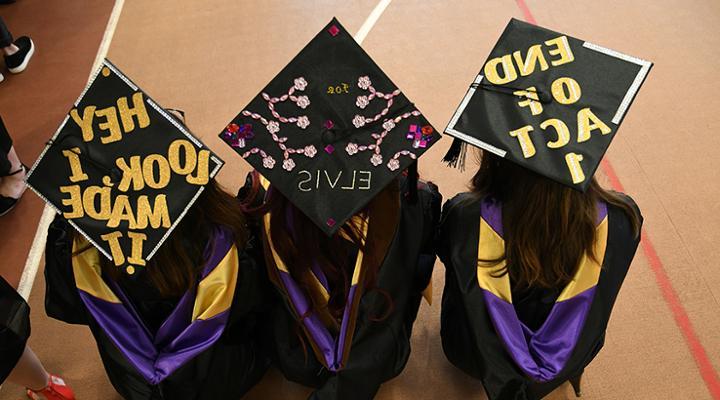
(548, 102)
(330, 130)
(121, 169)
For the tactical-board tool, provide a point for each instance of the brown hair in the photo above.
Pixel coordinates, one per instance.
(547, 227)
(300, 243)
(176, 266)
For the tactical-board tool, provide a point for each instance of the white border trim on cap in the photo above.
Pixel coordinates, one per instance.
(634, 87)
(218, 162)
(450, 130)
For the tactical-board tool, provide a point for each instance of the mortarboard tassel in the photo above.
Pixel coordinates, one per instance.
(412, 182)
(455, 156)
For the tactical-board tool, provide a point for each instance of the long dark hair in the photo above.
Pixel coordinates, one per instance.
(176, 266)
(547, 227)
(300, 243)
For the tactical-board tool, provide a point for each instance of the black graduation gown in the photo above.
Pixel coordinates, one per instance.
(469, 338)
(228, 369)
(379, 350)
(14, 328)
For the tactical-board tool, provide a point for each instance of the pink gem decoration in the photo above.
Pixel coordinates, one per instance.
(334, 30)
(329, 124)
(420, 137)
(329, 149)
(330, 221)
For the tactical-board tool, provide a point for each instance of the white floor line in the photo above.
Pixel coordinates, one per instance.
(371, 20)
(32, 263)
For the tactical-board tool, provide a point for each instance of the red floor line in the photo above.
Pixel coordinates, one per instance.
(707, 371)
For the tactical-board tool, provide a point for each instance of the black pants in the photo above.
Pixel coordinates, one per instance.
(6, 38)
(5, 146)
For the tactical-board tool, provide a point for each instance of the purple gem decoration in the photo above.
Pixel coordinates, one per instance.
(420, 136)
(236, 135)
(329, 124)
(330, 222)
(329, 149)
(334, 30)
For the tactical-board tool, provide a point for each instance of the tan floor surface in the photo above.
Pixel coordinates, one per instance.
(211, 57)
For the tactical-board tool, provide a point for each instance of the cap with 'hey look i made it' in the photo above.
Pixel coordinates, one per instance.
(122, 170)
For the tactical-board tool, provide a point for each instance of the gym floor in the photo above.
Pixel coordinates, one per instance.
(211, 57)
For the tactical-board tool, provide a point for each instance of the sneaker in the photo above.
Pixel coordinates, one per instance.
(55, 390)
(17, 62)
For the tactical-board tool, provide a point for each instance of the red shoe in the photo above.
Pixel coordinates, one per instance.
(55, 390)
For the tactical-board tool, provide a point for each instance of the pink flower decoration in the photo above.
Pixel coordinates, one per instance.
(388, 125)
(393, 164)
(359, 121)
(268, 162)
(303, 122)
(376, 159)
(273, 127)
(303, 101)
(351, 148)
(300, 83)
(364, 82)
(288, 164)
(310, 151)
(362, 101)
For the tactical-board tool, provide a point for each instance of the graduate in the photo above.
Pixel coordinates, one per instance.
(536, 252)
(148, 250)
(347, 235)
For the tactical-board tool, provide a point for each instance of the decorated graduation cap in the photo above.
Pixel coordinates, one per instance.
(548, 102)
(122, 170)
(330, 130)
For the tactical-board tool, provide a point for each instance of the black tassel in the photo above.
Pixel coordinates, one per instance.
(412, 182)
(455, 156)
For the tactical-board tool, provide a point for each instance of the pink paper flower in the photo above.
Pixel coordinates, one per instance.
(268, 162)
(303, 122)
(364, 82)
(362, 101)
(351, 148)
(288, 164)
(388, 125)
(300, 83)
(359, 121)
(310, 151)
(273, 127)
(303, 101)
(393, 164)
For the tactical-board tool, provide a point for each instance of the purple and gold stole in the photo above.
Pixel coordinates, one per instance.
(195, 324)
(333, 351)
(541, 354)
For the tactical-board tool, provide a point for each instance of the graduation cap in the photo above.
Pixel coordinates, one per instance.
(331, 130)
(548, 102)
(122, 170)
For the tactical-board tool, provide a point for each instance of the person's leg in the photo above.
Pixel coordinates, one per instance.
(29, 372)
(17, 52)
(5, 147)
(6, 38)
(12, 173)
(13, 182)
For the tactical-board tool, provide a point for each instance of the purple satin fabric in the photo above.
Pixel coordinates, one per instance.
(178, 339)
(541, 354)
(344, 326)
(331, 348)
(491, 212)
